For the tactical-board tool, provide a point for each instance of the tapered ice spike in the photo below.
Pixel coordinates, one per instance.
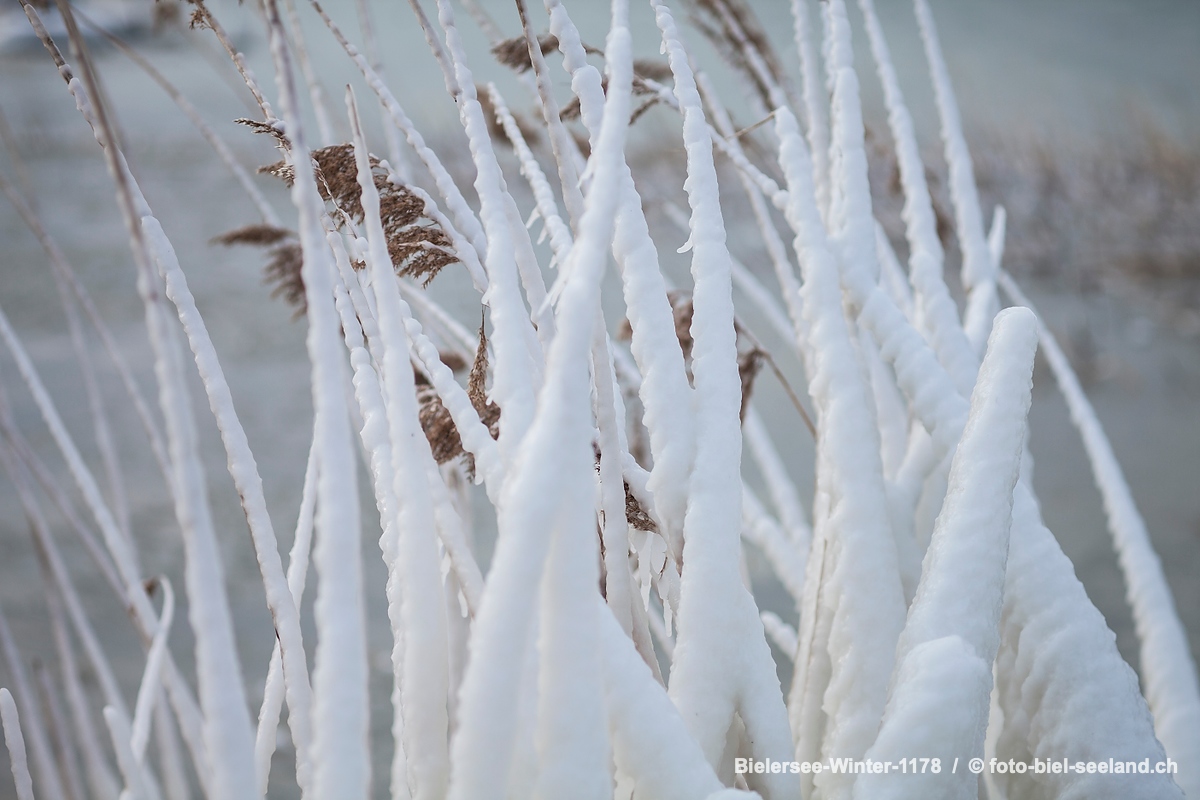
(952, 634)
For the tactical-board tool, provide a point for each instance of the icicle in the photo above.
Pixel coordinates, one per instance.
(618, 577)
(651, 743)
(996, 235)
(767, 185)
(559, 438)
(175, 782)
(952, 633)
(340, 706)
(717, 615)
(744, 281)
(566, 153)
(665, 392)
(458, 629)
(815, 100)
(785, 273)
(517, 357)
(424, 685)
(1040, 577)
(851, 223)
(890, 408)
(1167, 668)
(368, 392)
(540, 312)
(854, 568)
(937, 310)
(1069, 693)
(572, 746)
(547, 206)
(978, 269)
(476, 439)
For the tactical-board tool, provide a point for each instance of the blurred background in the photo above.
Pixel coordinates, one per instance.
(1084, 121)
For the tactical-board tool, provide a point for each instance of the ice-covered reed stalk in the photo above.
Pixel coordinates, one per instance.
(952, 633)
(1169, 674)
(853, 576)
(16, 745)
(339, 706)
(722, 667)
(935, 616)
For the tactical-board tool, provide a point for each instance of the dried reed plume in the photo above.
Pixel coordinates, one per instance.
(514, 53)
(417, 245)
(438, 424)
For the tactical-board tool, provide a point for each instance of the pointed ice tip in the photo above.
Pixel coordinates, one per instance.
(1015, 331)
(1021, 320)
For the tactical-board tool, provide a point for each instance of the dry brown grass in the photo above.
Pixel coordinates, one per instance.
(436, 422)
(254, 125)
(514, 52)
(488, 411)
(635, 515)
(284, 271)
(419, 248)
(284, 260)
(256, 234)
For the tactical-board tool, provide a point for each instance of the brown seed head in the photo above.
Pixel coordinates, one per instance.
(269, 128)
(418, 246)
(283, 270)
(488, 411)
(635, 515)
(514, 52)
(258, 235)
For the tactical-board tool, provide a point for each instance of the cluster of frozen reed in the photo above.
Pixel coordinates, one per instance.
(937, 615)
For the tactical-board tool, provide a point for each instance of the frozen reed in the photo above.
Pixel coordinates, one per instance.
(613, 646)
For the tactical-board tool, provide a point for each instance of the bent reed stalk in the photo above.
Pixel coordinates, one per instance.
(614, 646)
